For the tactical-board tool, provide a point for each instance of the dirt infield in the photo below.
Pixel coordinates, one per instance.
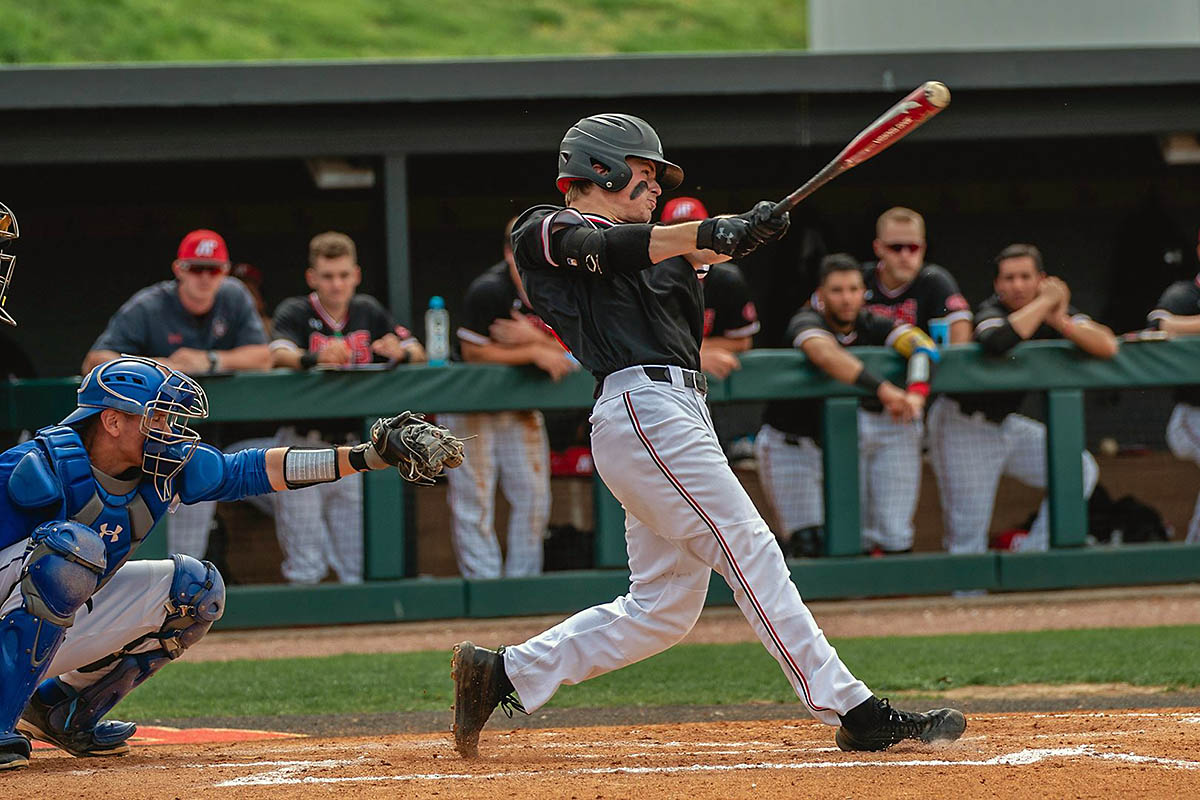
(1076, 754)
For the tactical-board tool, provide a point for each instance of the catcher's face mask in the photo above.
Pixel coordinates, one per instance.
(9, 232)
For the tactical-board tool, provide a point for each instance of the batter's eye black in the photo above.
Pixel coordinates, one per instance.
(900, 247)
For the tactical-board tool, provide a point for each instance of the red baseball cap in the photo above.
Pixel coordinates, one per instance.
(203, 247)
(683, 209)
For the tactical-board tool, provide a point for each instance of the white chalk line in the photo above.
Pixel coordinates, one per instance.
(286, 773)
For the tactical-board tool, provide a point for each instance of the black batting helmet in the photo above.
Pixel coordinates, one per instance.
(607, 139)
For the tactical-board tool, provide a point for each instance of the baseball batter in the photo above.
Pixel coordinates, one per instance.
(889, 424)
(83, 626)
(624, 296)
(1178, 312)
(976, 438)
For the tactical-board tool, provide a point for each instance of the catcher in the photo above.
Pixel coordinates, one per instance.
(82, 627)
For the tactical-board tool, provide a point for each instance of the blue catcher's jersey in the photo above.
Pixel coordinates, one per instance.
(50, 477)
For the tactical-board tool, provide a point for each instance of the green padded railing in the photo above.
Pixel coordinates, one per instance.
(1056, 368)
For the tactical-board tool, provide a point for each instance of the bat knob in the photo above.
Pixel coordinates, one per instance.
(936, 93)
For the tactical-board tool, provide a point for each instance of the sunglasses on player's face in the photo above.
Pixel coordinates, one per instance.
(203, 269)
(901, 247)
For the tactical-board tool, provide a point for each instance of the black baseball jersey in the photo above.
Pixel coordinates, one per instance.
(802, 417)
(990, 317)
(728, 309)
(304, 323)
(490, 297)
(615, 319)
(933, 294)
(1181, 299)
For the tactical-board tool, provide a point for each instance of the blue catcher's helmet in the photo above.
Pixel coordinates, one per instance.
(164, 398)
(9, 233)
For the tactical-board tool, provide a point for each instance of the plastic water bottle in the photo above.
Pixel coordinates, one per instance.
(437, 332)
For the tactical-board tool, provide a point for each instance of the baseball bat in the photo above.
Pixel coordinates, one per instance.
(897, 122)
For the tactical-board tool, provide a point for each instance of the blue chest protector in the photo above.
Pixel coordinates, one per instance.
(55, 475)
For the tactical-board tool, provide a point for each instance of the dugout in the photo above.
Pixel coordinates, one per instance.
(107, 166)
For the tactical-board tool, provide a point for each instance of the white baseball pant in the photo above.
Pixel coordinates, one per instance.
(686, 515)
(1183, 437)
(131, 605)
(318, 527)
(509, 446)
(889, 468)
(968, 456)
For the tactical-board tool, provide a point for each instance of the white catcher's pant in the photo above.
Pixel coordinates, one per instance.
(969, 454)
(889, 469)
(686, 514)
(1183, 437)
(318, 527)
(510, 446)
(132, 604)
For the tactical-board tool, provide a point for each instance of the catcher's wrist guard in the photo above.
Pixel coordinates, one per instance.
(306, 466)
(419, 450)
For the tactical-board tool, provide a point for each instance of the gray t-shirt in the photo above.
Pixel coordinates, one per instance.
(154, 322)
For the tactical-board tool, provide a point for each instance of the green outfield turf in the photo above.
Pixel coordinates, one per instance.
(64, 31)
(684, 675)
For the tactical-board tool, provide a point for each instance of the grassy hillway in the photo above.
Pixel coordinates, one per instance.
(74, 31)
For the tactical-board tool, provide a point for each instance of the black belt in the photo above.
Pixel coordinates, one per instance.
(692, 380)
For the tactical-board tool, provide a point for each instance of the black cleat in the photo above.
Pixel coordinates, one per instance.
(875, 725)
(480, 684)
(109, 738)
(14, 751)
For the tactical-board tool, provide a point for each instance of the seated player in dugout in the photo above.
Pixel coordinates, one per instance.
(334, 326)
(83, 625)
(507, 447)
(976, 438)
(1178, 313)
(624, 296)
(900, 285)
(788, 446)
(730, 317)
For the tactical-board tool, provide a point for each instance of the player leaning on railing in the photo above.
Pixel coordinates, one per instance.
(81, 626)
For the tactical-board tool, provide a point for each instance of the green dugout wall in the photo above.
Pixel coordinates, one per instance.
(1056, 368)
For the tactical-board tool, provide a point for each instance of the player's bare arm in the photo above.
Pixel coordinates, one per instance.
(547, 356)
(1027, 319)
(95, 358)
(1177, 324)
(960, 331)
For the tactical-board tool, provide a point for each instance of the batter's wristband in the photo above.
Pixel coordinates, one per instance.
(868, 381)
(308, 360)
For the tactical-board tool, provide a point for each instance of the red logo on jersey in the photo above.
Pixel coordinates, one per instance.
(956, 302)
(901, 312)
(710, 319)
(359, 343)
(174, 338)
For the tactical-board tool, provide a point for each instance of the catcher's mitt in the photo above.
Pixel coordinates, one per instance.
(419, 450)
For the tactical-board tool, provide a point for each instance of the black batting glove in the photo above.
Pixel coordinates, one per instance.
(764, 227)
(725, 235)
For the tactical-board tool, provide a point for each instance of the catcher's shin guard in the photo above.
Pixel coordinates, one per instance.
(480, 684)
(61, 572)
(70, 718)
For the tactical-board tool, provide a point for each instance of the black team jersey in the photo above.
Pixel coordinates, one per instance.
(990, 317)
(933, 294)
(728, 309)
(802, 417)
(613, 320)
(490, 297)
(303, 322)
(1181, 299)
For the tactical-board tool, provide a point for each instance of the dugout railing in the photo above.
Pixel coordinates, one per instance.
(1058, 369)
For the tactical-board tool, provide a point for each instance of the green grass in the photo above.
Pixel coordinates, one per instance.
(686, 675)
(65, 31)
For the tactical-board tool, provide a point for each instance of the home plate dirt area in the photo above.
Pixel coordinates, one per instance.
(1078, 754)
